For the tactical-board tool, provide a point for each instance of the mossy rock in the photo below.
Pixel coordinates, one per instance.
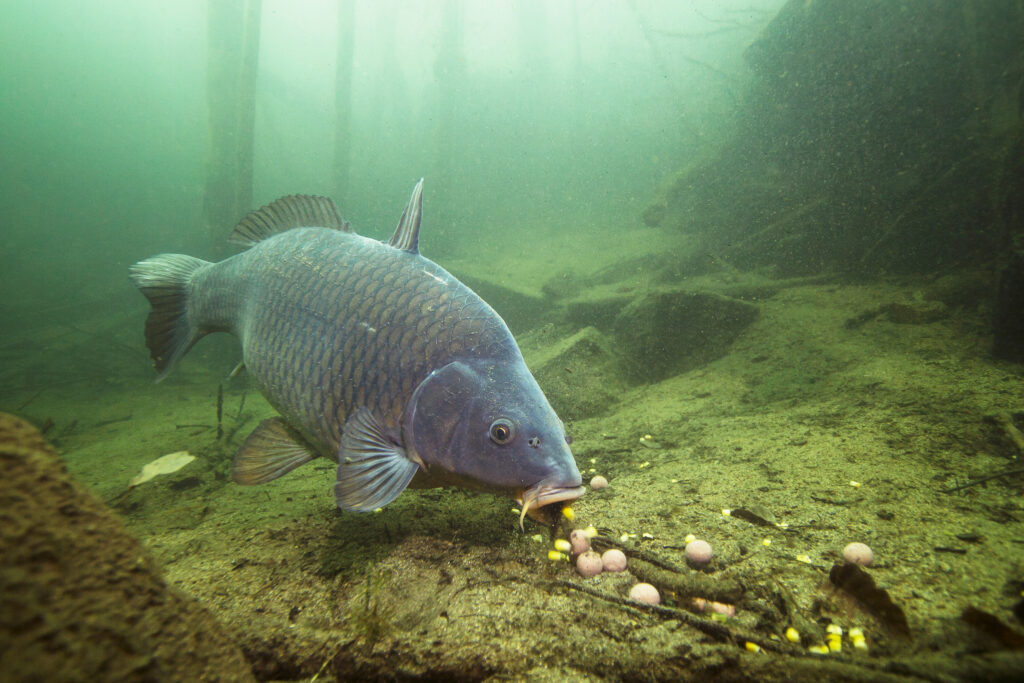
(80, 598)
(580, 374)
(668, 331)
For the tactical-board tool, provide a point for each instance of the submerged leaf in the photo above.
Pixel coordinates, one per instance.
(172, 462)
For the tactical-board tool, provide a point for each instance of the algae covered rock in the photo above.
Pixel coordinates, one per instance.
(80, 598)
(579, 374)
(668, 331)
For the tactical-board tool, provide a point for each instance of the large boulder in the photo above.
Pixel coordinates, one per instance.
(80, 598)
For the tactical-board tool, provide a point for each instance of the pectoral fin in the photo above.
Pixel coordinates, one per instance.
(272, 450)
(372, 470)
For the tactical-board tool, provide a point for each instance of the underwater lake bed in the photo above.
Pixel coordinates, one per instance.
(827, 422)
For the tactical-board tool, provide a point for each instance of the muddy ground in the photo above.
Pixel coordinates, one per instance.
(835, 416)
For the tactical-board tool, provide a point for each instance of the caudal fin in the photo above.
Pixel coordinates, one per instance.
(164, 280)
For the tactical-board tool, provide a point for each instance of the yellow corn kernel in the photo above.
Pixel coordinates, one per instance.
(690, 538)
(855, 484)
(860, 643)
(563, 545)
(834, 630)
(555, 556)
(726, 512)
(766, 542)
(792, 635)
(818, 649)
(752, 647)
(856, 632)
(590, 531)
(835, 643)
(568, 513)
(803, 558)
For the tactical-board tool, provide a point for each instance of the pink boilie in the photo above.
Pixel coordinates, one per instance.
(614, 560)
(858, 553)
(698, 553)
(579, 541)
(589, 564)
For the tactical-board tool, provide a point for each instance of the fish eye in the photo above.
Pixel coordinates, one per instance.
(502, 431)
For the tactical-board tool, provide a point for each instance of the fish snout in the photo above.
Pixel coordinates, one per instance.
(547, 493)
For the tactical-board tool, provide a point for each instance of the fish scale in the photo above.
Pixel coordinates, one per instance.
(373, 356)
(363, 289)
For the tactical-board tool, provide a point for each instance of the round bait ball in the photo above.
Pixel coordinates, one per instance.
(589, 564)
(722, 608)
(579, 541)
(598, 482)
(645, 592)
(614, 560)
(698, 553)
(858, 553)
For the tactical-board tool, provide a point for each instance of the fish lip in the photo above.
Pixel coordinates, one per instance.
(543, 494)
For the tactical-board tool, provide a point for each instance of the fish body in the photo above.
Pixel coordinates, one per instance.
(372, 354)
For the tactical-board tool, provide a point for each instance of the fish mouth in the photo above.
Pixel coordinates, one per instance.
(536, 497)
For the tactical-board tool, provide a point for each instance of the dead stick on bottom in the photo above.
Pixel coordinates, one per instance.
(711, 628)
(220, 410)
(1005, 421)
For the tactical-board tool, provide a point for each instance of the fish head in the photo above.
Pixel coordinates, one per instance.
(488, 425)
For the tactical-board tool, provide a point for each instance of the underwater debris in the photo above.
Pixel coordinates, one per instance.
(857, 583)
(994, 628)
(982, 480)
(172, 462)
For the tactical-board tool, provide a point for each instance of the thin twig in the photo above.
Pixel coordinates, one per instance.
(982, 480)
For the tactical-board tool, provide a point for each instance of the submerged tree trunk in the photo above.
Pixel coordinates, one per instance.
(232, 60)
(343, 100)
(449, 76)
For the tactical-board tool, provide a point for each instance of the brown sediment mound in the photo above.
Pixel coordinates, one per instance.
(80, 599)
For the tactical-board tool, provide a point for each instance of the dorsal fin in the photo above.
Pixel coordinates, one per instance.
(293, 211)
(407, 234)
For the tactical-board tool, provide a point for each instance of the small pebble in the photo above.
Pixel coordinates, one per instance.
(645, 592)
(698, 553)
(614, 560)
(598, 482)
(579, 541)
(858, 553)
(589, 564)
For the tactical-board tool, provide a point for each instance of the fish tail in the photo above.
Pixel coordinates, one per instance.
(170, 332)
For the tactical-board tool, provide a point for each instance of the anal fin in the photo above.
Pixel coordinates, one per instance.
(272, 450)
(372, 470)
